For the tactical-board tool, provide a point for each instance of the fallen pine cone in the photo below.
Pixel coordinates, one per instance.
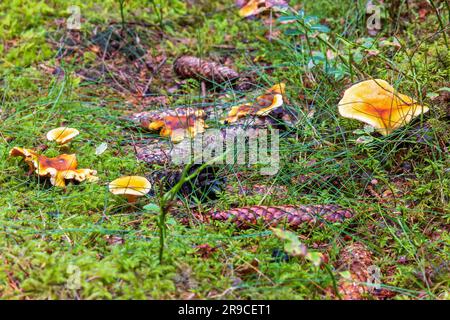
(153, 151)
(356, 259)
(205, 186)
(289, 215)
(196, 68)
(270, 190)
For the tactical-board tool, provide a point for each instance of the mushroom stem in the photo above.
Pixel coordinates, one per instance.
(131, 198)
(64, 147)
(30, 170)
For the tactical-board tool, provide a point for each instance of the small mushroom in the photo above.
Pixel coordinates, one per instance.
(255, 7)
(251, 8)
(377, 103)
(130, 187)
(277, 101)
(59, 169)
(176, 124)
(270, 100)
(181, 126)
(237, 112)
(62, 135)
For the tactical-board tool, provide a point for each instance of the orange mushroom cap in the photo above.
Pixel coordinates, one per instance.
(59, 169)
(251, 8)
(277, 101)
(255, 7)
(62, 135)
(176, 124)
(130, 186)
(270, 100)
(377, 103)
(178, 127)
(278, 88)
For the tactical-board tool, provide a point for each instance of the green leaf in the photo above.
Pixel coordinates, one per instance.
(310, 19)
(293, 246)
(289, 18)
(152, 207)
(364, 139)
(359, 131)
(293, 32)
(101, 148)
(369, 129)
(346, 275)
(320, 28)
(432, 95)
(315, 257)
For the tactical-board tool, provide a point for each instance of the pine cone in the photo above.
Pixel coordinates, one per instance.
(356, 259)
(145, 118)
(192, 67)
(204, 186)
(153, 151)
(293, 216)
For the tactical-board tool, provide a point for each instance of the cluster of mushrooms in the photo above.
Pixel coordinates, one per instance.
(179, 123)
(373, 102)
(60, 168)
(64, 167)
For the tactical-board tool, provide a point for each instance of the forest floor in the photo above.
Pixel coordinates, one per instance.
(83, 242)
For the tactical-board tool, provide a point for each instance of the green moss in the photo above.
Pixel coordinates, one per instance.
(49, 234)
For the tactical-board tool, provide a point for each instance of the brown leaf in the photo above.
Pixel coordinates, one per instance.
(270, 190)
(114, 240)
(247, 268)
(205, 250)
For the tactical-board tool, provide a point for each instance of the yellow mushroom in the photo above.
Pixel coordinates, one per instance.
(130, 187)
(378, 104)
(251, 8)
(62, 135)
(264, 104)
(278, 88)
(176, 124)
(277, 101)
(255, 7)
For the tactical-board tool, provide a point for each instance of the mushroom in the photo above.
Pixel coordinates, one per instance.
(62, 135)
(377, 103)
(179, 126)
(255, 7)
(277, 101)
(176, 124)
(131, 187)
(59, 169)
(270, 100)
(251, 8)
(237, 112)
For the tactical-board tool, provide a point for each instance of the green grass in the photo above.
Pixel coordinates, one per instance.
(44, 231)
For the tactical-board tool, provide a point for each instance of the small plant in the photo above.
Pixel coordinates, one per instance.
(158, 8)
(167, 198)
(122, 15)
